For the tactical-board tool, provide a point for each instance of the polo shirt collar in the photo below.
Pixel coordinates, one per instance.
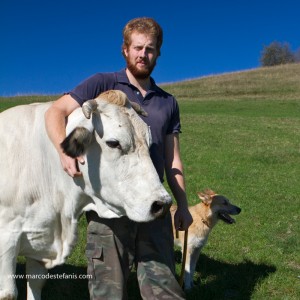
(122, 78)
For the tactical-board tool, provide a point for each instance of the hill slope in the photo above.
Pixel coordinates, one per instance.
(277, 83)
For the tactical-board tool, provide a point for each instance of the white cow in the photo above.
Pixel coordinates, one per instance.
(40, 204)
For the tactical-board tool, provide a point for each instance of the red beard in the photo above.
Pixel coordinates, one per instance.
(140, 73)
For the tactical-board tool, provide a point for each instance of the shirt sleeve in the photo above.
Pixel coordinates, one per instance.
(174, 125)
(92, 87)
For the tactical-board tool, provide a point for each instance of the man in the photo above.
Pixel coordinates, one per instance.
(114, 245)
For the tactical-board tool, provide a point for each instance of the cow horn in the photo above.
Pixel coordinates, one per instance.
(138, 109)
(89, 107)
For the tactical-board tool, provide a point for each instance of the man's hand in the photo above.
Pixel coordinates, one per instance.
(70, 165)
(182, 218)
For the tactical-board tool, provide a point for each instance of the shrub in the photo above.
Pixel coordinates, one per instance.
(277, 54)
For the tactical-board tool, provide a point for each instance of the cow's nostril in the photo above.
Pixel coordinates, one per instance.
(158, 208)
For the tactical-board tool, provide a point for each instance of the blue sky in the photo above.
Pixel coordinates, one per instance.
(48, 47)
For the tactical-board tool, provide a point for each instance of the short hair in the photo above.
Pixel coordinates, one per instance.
(142, 25)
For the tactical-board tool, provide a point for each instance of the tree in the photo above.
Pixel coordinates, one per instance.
(277, 54)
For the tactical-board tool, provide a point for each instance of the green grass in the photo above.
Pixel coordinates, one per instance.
(253, 157)
(7, 102)
(241, 138)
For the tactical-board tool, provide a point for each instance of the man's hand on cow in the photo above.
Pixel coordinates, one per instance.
(182, 218)
(70, 165)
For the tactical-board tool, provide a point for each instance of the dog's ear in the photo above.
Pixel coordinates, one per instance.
(209, 192)
(205, 198)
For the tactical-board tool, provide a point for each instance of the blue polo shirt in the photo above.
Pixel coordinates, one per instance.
(162, 108)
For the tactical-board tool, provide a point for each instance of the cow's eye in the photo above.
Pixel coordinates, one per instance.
(113, 144)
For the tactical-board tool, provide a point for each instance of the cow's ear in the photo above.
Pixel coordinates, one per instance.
(76, 143)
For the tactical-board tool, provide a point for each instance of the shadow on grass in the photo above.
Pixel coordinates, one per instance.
(71, 287)
(221, 280)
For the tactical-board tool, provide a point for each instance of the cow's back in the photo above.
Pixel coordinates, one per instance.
(25, 148)
(19, 124)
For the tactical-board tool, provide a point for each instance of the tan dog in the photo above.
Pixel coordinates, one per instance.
(206, 214)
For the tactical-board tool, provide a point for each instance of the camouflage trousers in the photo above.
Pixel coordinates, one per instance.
(115, 245)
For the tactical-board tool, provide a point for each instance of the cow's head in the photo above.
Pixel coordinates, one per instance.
(118, 169)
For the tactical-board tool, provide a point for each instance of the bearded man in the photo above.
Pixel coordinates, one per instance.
(114, 245)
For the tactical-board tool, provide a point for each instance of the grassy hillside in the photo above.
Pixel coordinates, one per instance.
(240, 138)
(7, 102)
(273, 83)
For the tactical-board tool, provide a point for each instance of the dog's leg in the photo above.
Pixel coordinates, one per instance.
(194, 260)
(190, 266)
(188, 280)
